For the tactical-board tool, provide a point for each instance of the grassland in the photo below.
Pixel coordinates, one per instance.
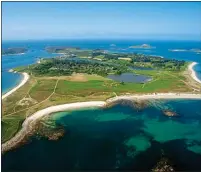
(41, 92)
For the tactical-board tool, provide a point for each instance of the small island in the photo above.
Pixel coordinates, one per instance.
(143, 46)
(14, 51)
(195, 50)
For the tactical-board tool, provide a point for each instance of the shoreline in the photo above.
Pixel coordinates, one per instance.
(193, 73)
(13, 54)
(23, 81)
(29, 123)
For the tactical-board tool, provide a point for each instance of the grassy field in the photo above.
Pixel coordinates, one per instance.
(42, 92)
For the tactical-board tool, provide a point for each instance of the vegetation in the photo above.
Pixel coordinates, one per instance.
(67, 66)
(137, 60)
(72, 79)
(13, 51)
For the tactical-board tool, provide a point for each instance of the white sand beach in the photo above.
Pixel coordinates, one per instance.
(29, 123)
(156, 96)
(24, 80)
(192, 72)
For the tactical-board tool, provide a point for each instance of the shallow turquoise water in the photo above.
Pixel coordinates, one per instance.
(117, 138)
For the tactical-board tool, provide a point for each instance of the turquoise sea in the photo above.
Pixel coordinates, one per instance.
(117, 138)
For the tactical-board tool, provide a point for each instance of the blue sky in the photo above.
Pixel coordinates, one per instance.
(133, 20)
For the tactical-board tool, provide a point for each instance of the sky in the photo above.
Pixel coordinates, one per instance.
(129, 20)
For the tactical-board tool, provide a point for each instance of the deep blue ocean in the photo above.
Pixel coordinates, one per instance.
(36, 50)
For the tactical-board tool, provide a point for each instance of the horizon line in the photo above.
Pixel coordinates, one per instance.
(95, 38)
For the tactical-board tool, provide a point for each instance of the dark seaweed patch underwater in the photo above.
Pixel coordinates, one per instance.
(116, 138)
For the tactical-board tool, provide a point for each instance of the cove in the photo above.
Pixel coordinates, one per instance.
(116, 138)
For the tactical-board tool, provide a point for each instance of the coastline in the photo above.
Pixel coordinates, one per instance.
(13, 54)
(192, 72)
(24, 80)
(29, 123)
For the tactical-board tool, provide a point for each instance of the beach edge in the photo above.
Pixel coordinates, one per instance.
(29, 123)
(192, 72)
(23, 81)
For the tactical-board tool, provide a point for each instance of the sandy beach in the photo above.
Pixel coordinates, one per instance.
(156, 96)
(192, 72)
(29, 123)
(24, 80)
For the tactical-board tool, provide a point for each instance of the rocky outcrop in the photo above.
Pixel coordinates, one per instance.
(169, 113)
(135, 104)
(163, 166)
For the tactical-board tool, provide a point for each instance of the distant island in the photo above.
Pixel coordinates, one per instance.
(13, 51)
(196, 50)
(60, 49)
(143, 46)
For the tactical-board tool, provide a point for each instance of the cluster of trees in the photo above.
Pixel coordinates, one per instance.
(115, 55)
(152, 61)
(66, 66)
(97, 52)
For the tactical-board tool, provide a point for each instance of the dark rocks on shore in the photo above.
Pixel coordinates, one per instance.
(135, 104)
(49, 130)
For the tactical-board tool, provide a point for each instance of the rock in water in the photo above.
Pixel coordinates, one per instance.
(169, 113)
(47, 128)
(163, 166)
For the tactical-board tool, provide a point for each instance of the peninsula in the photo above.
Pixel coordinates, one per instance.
(65, 82)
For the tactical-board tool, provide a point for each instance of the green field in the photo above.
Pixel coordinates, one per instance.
(44, 91)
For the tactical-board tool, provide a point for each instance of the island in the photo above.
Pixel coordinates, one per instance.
(14, 51)
(143, 46)
(195, 50)
(68, 82)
